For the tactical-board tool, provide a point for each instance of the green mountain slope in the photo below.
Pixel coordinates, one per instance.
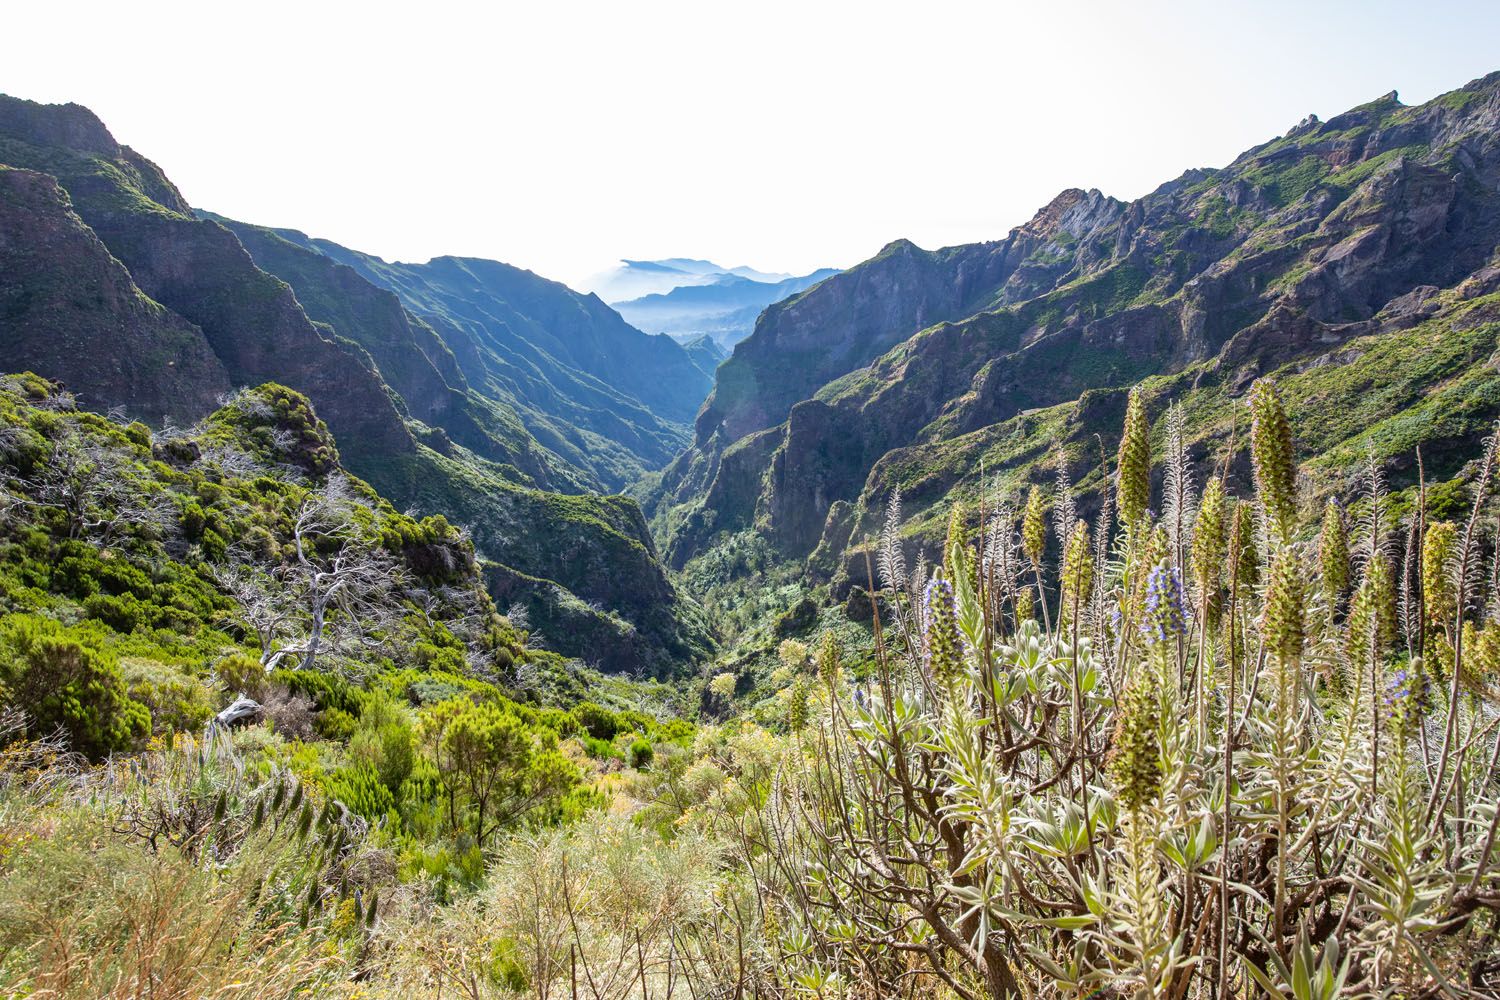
(1335, 249)
(232, 324)
(61, 293)
(598, 393)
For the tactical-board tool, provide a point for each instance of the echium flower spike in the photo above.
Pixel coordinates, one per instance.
(1438, 554)
(1409, 698)
(1078, 570)
(1383, 590)
(959, 548)
(1283, 617)
(828, 659)
(1333, 558)
(1271, 453)
(1034, 527)
(1025, 605)
(1210, 545)
(1243, 554)
(1134, 763)
(1481, 654)
(1133, 475)
(1164, 615)
(943, 651)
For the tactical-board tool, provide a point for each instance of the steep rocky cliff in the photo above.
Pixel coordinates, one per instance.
(110, 282)
(919, 369)
(597, 393)
(62, 294)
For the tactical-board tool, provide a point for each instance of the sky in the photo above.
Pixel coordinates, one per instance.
(560, 135)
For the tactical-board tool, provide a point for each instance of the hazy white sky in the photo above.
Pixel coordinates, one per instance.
(560, 135)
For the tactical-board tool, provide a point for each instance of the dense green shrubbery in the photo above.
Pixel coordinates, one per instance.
(64, 679)
(144, 583)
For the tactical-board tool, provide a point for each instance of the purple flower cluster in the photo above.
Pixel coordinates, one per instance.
(1165, 618)
(942, 629)
(938, 598)
(1406, 691)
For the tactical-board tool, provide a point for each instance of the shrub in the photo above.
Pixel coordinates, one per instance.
(597, 721)
(176, 701)
(289, 713)
(640, 753)
(240, 673)
(335, 724)
(383, 740)
(62, 679)
(361, 789)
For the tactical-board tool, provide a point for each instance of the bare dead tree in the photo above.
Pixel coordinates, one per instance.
(337, 594)
(93, 486)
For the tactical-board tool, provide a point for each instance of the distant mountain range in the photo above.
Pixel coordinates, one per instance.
(1357, 260)
(688, 298)
(460, 386)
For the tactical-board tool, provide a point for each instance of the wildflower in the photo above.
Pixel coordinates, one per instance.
(1371, 626)
(1438, 597)
(1243, 554)
(1078, 569)
(1408, 697)
(1481, 654)
(1034, 527)
(1025, 605)
(943, 653)
(1271, 454)
(1134, 764)
(1333, 557)
(1165, 617)
(1283, 616)
(1133, 476)
(962, 562)
(828, 659)
(1210, 542)
(796, 709)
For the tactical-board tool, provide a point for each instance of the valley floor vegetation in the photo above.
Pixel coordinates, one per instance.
(1178, 744)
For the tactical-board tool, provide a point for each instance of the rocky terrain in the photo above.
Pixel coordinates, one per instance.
(114, 286)
(1355, 257)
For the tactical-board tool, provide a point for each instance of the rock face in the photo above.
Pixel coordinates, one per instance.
(919, 361)
(198, 270)
(595, 392)
(62, 294)
(110, 282)
(410, 355)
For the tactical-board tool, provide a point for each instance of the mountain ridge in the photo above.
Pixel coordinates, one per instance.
(243, 326)
(1223, 274)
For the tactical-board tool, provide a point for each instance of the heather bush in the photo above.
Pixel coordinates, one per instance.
(64, 679)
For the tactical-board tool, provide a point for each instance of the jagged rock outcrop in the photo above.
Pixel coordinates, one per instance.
(918, 361)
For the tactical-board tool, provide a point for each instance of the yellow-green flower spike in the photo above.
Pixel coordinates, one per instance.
(829, 659)
(1034, 527)
(1333, 558)
(1078, 569)
(1438, 596)
(944, 651)
(1284, 614)
(1134, 764)
(1133, 476)
(1271, 455)
(1211, 545)
(1243, 553)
